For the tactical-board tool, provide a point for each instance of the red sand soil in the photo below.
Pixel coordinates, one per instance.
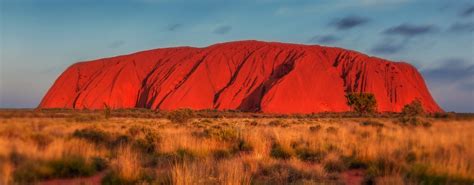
(93, 180)
(353, 177)
(244, 75)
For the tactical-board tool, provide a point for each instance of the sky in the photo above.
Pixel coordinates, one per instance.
(39, 39)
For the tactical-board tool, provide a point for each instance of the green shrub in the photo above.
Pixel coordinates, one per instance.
(413, 109)
(72, 166)
(362, 103)
(423, 174)
(224, 134)
(280, 152)
(412, 114)
(148, 144)
(180, 115)
(30, 171)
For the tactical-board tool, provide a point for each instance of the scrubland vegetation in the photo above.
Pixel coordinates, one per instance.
(209, 147)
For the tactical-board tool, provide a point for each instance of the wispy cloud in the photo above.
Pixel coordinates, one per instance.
(173, 27)
(116, 44)
(462, 27)
(349, 22)
(451, 69)
(221, 30)
(389, 46)
(410, 30)
(324, 39)
(467, 11)
(383, 2)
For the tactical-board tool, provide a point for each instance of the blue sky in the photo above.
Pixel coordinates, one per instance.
(40, 38)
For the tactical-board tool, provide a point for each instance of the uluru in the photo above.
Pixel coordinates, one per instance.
(258, 76)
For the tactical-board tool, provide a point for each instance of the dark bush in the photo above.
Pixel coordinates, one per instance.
(148, 144)
(280, 152)
(222, 154)
(73, 166)
(353, 162)
(280, 174)
(242, 146)
(315, 128)
(275, 123)
(185, 154)
(84, 118)
(180, 115)
(224, 134)
(107, 111)
(372, 123)
(254, 123)
(331, 130)
(96, 136)
(41, 140)
(119, 141)
(414, 121)
(334, 166)
(309, 155)
(410, 157)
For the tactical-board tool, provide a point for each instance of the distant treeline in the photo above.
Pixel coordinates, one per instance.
(148, 113)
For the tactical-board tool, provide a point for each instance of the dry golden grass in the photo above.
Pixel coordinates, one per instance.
(241, 150)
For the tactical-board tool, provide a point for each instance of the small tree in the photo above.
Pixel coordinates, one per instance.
(362, 103)
(413, 109)
(107, 111)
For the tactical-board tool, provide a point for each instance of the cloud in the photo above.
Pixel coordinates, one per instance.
(349, 22)
(452, 69)
(409, 30)
(468, 11)
(389, 46)
(173, 27)
(462, 27)
(221, 30)
(116, 44)
(452, 84)
(324, 39)
(382, 2)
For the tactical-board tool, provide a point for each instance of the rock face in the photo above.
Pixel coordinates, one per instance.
(244, 75)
